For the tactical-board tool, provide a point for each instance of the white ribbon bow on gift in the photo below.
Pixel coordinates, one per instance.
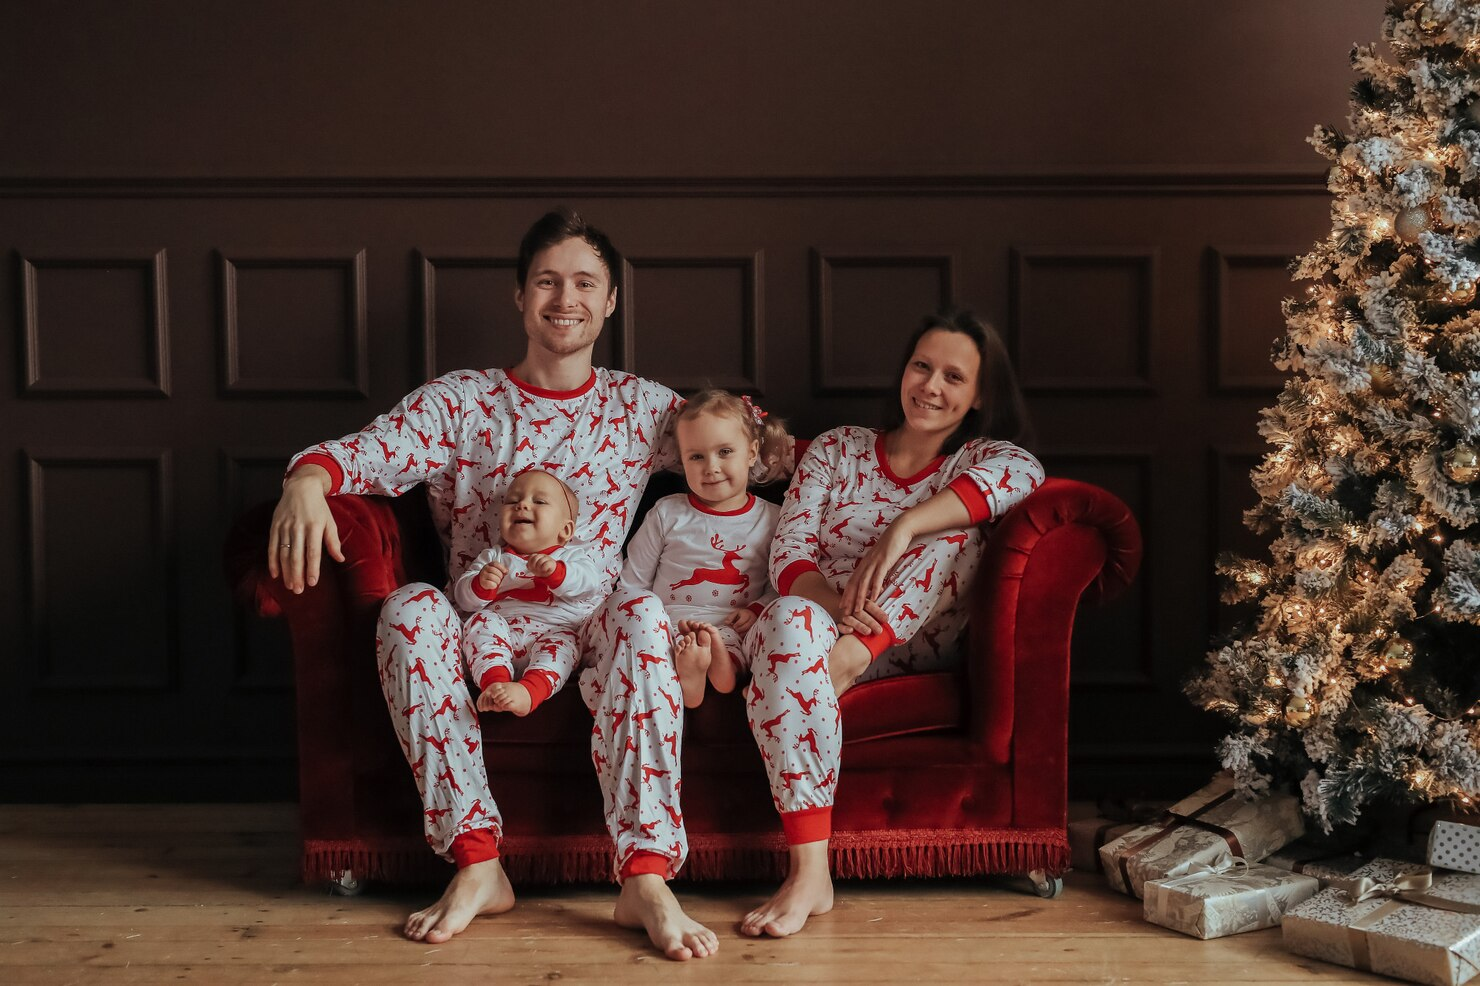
(1200, 871)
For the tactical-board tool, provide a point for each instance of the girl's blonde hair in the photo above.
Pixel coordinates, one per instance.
(767, 429)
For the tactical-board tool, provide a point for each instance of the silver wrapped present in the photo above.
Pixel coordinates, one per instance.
(1201, 829)
(1227, 898)
(1395, 918)
(1455, 846)
(1312, 861)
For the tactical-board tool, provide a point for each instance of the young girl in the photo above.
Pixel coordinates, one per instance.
(704, 553)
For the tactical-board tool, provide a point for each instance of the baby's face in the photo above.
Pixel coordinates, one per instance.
(535, 514)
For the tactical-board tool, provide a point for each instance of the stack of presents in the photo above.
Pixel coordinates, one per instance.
(1215, 864)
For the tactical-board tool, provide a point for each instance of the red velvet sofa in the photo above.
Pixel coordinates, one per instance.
(960, 773)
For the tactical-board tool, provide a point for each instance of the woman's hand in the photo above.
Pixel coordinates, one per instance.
(867, 581)
(302, 527)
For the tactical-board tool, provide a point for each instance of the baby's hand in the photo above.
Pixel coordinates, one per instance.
(541, 566)
(741, 619)
(491, 575)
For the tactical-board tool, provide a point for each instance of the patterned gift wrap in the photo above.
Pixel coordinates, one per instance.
(1201, 829)
(1312, 861)
(1226, 899)
(1087, 835)
(1455, 846)
(1396, 918)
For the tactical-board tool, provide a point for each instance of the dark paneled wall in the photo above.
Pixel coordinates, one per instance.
(234, 231)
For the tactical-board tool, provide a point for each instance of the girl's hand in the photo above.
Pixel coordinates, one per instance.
(302, 527)
(490, 575)
(867, 582)
(741, 619)
(541, 566)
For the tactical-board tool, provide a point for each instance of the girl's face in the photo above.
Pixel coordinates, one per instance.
(717, 454)
(940, 382)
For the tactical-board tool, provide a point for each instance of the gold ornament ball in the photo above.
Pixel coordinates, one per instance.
(1398, 654)
(1463, 293)
(1427, 20)
(1300, 710)
(1382, 379)
(1413, 222)
(1462, 463)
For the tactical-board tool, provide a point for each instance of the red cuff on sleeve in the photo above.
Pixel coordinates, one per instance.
(756, 608)
(493, 676)
(792, 572)
(556, 577)
(477, 846)
(807, 825)
(878, 643)
(336, 474)
(976, 504)
(487, 595)
(644, 861)
(540, 684)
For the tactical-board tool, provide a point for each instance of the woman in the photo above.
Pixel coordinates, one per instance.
(876, 546)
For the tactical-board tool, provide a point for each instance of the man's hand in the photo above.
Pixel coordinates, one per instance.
(302, 527)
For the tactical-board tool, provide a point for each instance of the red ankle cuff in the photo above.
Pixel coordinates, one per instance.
(644, 861)
(477, 846)
(807, 825)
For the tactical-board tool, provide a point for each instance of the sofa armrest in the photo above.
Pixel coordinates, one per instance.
(1067, 541)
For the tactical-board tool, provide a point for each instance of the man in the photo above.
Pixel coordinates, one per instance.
(465, 436)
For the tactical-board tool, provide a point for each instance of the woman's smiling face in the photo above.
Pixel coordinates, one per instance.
(939, 385)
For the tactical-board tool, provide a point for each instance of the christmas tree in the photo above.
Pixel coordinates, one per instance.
(1356, 674)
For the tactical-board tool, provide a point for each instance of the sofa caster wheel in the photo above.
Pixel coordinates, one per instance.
(1045, 886)
(344, 883)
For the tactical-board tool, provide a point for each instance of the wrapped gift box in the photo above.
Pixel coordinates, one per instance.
(1310, 860)
(1213, 823)
(1087, 835)
(1455, 846)
(1411, 936)
(1226, 900)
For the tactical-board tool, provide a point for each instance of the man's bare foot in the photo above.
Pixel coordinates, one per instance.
(849, 659)
(481, 888)
(647, 903)
(691, 661)
(721, 667)
(807, 890)
(505, 696)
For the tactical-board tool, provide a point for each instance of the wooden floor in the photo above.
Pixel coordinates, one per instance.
(208, 894)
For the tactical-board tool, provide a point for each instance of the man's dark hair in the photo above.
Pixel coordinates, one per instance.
(566, 224)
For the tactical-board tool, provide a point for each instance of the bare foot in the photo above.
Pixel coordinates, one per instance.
(849, 659)
(691, 661)
(482, 888)
(505, 696)
(721, 667)
(648, 904)
(807, 890)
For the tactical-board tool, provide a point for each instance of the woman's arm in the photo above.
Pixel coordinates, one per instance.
(942, 512)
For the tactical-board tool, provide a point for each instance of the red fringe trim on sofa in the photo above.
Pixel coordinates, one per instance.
(588, 859)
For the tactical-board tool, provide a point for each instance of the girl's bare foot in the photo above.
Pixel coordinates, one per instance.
(505, 696)
(647, 903)
(721, 667)
(691, 661)
(807, 890)
(482, 888)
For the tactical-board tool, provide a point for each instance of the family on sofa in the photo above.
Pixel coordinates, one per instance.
(534, 474)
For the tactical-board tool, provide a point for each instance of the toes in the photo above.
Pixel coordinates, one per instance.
(679, 952)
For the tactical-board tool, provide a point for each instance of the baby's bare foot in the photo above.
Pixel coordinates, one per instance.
(691, 661)
(505, 696)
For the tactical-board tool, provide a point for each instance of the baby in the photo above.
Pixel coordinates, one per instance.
(530, 596)
(704, 553)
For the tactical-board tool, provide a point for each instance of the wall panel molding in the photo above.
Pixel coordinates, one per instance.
(429, 266)
(355, 330)
(1224, 265)
(1139, 265)
(749, 308)
(149, 590)
(261, 658)
(155, 318)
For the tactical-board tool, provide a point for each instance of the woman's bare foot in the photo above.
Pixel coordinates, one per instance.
(849, 659)
(691, 661)
(505, 696)
(482, 888)
(648, 904)
(807, 890)
(721, 667)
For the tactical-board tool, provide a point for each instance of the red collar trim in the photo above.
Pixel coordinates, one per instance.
(892, 476)
(556, 395)
(705, 508)
(543, 551)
